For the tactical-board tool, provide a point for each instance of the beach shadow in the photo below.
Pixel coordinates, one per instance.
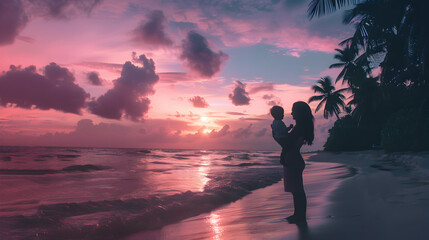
(303, 231)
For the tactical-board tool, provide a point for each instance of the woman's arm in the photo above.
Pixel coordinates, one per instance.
(288, 140)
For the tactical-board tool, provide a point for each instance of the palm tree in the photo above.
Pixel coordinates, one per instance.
(366, 100)
(333, 100)
(346, 57)
(391, 36)
(396, 29)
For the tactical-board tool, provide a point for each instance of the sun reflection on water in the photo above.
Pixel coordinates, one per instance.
(214, 221)
(203, 171)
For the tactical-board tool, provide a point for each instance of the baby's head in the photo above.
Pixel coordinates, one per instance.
(277, 112)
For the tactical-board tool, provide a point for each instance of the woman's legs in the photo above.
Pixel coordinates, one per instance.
(300, 208)
(299, 202)
(294, 183)
(300, 205)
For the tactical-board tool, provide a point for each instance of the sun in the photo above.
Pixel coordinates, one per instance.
(204, 119)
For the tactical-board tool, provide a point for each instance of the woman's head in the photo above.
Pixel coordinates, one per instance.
(301, 112)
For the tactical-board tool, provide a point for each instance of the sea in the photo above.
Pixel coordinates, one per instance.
(110, 193)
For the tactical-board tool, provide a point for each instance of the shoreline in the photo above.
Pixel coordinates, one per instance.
(388, 199)
(260, 214)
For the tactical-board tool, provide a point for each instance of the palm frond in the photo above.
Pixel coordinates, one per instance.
(342, 90)
(315, 98)
(321, 7)
(341, 75)
(336, 65)
(318, 89)
(320, 104)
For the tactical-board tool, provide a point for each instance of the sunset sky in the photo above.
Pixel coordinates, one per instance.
(159, 74)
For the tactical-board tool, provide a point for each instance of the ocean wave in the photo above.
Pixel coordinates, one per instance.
(71, 150)
(187, 155)
(72, 168)
(68, 155)
(144, 151)
(157, 156)
(244, 156)
(84, 168)
(247, 164)
(45, 156)
(123, 217)
(159, 162)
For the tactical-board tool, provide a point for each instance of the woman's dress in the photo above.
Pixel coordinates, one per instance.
(293, 163)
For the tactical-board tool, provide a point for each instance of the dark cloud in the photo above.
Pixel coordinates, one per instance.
(55, 89)
(253, 119)
(94, 78)
(199, 102)
(182, 26)
(272, 100)
(199, 57)
(259, 87)
(261, 133)
(170, 77)
(239, 97)
(274, 103)
(12, 20)
(294, 3)
(14, 14)
(268, 96)
(224, 131)
(152, 31)
(242, 132)
(128, 96)
(235, 113)
(63, 8)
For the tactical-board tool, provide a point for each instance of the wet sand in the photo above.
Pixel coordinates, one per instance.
(388, 199)
(377, 196)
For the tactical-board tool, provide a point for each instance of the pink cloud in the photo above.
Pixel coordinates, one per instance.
(94, 78)
(259, 87)
(25, 88)
(248, 23)
(166, 77)
(128, 96)
(152, 31)
(62, 9)
(15, 14)
(272, 100)
(173, 77)
(164, 133)
(198, 102)
(294, 53)
(12, 20)
(239, 96)
(199, 57)
(112, 67)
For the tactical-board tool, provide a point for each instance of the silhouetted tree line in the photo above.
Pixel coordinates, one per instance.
(385, 66)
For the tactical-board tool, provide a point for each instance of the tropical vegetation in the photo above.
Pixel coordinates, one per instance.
(385, 65)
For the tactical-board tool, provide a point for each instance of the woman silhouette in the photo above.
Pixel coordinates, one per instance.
(293, 163)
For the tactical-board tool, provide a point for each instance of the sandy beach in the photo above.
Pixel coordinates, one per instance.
(387, 199)
(363, 195)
